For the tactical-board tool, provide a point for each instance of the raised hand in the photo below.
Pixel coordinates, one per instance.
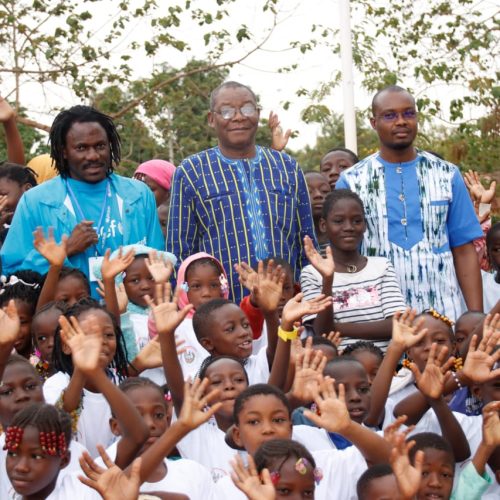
(247, 276)
(121, 295)
(324, 266)
(332, 410)
(296, 308)
(195, 409)
(431, 381)
(159, 268)
(309, 366)
(279, 139)
(406, 332)
(247, 479)
(55, 253)
(394, 429)
(268, 288)
(10, 326)
(111, 268)
(477, 190)
(480, 359)
(165, 311)
(408, 476)
(491, 424)
(6, 111)
(84, 340)
(111, 483)
(334, 337)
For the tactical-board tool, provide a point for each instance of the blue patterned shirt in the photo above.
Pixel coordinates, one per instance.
(240, 210)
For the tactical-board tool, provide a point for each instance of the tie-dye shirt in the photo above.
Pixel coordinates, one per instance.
(416, 212)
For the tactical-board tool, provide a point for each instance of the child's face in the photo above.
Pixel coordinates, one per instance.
(108, 348)
(438, 333)
(30, 470)
(318, 187)
(357, 388)
(204, 285)
(43, 329)
(227, 376)
(230, 333)
(437, 475)
(288, 290)
(383, 488)
(291, 483)
(138, 282)
(20, 387)
(463, 328)
(70, 290)
(494, 251)
(370, 361)
(344, 225)
(152, 406)
(263, 417)
(333, 164)
(13, 191)
(23, 343)
(162, 211)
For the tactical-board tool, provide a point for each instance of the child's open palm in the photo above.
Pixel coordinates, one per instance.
(324, 266)
(491, 424)
(268, 288)
(195, 409)
(246, 275)
(166, 314)
(309, 366)
(159, 269)
(481, 359)
(296, 308)
(55, 253)
(247, 479)
(332, 410)
(406, 332)
(84, 340)
(10, 326)
(431, 381)
(113, 267)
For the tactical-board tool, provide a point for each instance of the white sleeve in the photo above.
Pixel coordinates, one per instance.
(53, 387)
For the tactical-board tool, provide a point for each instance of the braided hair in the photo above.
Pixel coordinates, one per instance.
(18, 173)
(81, 114)
(62, 362)
(280, 449)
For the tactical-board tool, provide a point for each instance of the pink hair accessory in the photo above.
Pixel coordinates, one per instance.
(224, 284)
(275, 477)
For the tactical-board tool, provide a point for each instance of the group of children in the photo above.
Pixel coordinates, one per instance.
(185, 394)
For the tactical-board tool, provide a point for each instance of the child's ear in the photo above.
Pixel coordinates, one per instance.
(207, 344)
(66, 459)
(65, 349)
(236, 436)
(322, 225)
(115, 427)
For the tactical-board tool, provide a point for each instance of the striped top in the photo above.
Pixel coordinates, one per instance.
(372, 294)
(240, 210)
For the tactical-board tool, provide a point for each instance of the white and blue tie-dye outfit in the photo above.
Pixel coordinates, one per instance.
(416, 212)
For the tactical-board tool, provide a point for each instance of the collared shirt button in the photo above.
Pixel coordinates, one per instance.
(404, 222)
(399, 170)
(401, 197)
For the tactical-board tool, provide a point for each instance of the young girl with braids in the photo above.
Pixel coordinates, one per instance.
(90, 359)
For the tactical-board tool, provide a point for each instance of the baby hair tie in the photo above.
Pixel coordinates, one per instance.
(224, 284)
(275, 477)
(185, 287)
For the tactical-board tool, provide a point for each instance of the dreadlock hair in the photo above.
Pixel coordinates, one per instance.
(424, 440)
(81, 114)
(363, 345)
(53, 425)
(207, 362)
(75, 273)
(204, 261)
(337, 195)
(259, 390)
(280, 450)
(352, 154)
(492, 233)
(63, 363)
(24, 286)
(374, 472)
(18, 173)
(201, 319)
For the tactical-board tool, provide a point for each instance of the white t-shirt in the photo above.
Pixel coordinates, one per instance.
(372, 294)
(183, 476)
(73, 468)
(93, 424)
(491, 291)
(257, 368)
(194, 353)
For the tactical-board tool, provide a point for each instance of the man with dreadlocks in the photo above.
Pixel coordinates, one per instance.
(94, 207)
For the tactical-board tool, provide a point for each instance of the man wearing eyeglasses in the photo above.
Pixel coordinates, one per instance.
(418, 212)
(238, 201)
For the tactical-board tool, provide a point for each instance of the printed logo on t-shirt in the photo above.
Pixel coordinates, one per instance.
(217, 474)
(189, 354)
(356, 298)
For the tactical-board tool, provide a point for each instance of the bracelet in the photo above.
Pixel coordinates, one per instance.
(285, 336)
(456, 379)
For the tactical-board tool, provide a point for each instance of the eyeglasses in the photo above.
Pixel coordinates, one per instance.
(228, 112)
(390, 116)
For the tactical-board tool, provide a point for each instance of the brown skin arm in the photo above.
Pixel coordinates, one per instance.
(469, 275)
(15, 148)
